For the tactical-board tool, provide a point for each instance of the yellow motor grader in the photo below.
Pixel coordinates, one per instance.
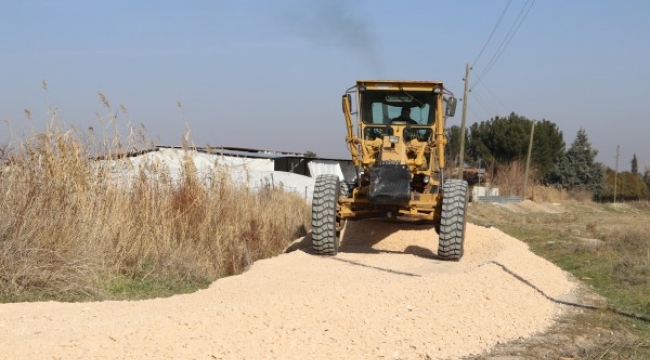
(397, 148)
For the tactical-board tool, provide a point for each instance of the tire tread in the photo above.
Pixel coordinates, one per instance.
(453, 220)
(323, 216)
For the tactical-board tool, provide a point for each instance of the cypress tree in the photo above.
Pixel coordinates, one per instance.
(578, 169)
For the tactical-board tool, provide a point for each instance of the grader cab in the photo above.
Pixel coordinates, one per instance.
(396, 136)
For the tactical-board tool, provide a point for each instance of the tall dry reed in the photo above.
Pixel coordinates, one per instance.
(70, 229)
(510, 181)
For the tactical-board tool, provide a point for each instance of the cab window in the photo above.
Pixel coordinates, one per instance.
(381, 107)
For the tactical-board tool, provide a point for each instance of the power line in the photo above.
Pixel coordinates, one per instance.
(492, 34)
(476, 115)
(506, 107)
(514, 28)
(509, 35)
(488, 108)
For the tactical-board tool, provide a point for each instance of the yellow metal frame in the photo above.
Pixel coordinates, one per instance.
(412, 153)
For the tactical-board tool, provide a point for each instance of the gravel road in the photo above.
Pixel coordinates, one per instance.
(385, 296)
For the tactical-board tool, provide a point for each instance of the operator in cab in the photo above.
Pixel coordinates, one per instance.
(405, 116)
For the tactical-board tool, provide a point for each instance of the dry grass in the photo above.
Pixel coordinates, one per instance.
(510, 180)
(547, 194)
(70, 231)
(606, 246)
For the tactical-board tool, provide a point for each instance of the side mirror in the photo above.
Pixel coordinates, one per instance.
(450, 109)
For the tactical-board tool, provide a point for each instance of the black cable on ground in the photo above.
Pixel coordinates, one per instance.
(569, 303)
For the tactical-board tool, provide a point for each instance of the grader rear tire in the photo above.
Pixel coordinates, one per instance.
(453, 219)
(323, 215)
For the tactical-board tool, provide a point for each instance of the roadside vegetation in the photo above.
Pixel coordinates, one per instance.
(605, 246)
(500, 144)
(72, 231)
(598, 229)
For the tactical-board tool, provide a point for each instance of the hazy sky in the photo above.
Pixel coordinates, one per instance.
(270, 74)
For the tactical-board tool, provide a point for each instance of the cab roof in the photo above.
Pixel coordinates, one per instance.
(413, 85)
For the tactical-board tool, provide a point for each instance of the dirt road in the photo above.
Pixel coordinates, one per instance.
(385, 296)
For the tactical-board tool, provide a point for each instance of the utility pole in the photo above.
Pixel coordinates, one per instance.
(462, 125)
(616, 173)
(530, 150)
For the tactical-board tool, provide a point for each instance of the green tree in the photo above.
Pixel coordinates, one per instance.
(577, 168)
(548, 147)
(500, 141)
(646, 180)
(634, 165)
(629, 186)
(452, 149)
(310, 154)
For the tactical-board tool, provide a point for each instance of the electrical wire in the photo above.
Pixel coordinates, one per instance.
(492, 34)
(525, 10)
(480, 100)
(475, 115)
(506, 107)
(506, 40)
(514, 28)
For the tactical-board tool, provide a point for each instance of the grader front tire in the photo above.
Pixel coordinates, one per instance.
(453, 220)
(323, 215)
